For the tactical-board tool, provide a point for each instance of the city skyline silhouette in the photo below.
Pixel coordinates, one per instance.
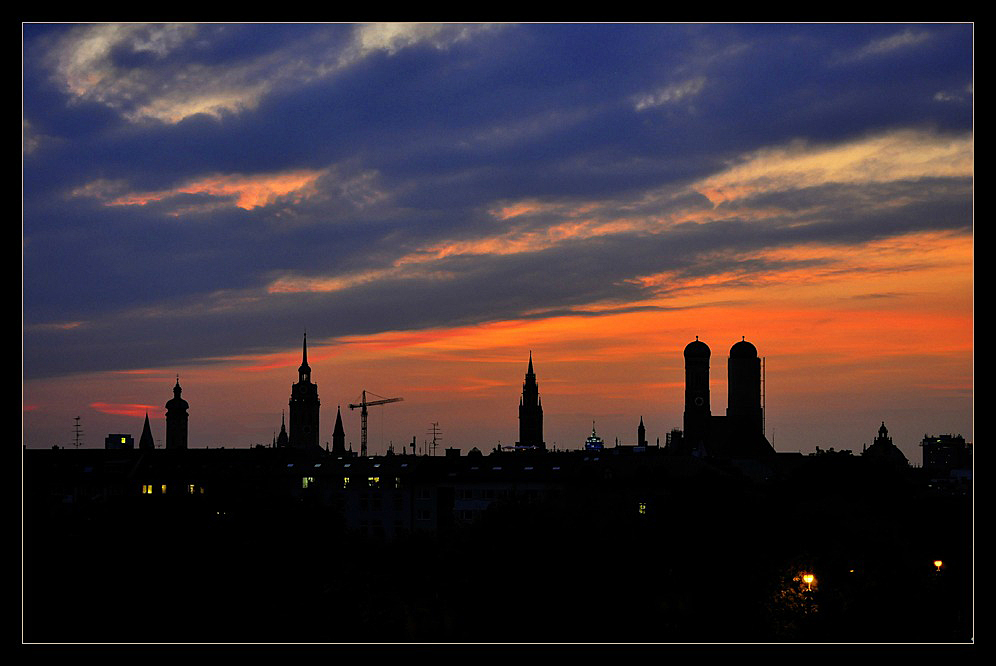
(445, 238)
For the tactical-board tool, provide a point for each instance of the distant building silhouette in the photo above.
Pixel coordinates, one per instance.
(283, 439)
(304, 406)
(945, 454)
(176, 420)
(119, 442)
(530, 412)
(740, 434)
(593, 442)
(641, 434)
(882, 449)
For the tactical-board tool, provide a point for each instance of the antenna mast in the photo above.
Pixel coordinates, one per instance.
(77, 433)
(434, 431)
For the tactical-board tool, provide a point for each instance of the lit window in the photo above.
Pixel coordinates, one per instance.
(147, 489)
(643, 508)
(345, 482)
(124, 440)
(191, 489)
(373, 481)
(306, 481)
(163, 489)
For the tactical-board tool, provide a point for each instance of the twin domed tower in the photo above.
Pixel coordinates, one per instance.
(741, 432)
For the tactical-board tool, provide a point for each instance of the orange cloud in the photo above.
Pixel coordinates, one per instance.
(247, 192)
(894, 156)
(123, 409)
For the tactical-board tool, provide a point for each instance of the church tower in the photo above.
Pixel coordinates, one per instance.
(176, 420)
(304, 406)
(338, 434)
(530, 411)
(744, 386)
(698, 414)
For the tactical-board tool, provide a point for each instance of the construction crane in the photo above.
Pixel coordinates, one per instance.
(362, 405)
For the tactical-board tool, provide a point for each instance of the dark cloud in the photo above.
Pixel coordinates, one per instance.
(419, 144)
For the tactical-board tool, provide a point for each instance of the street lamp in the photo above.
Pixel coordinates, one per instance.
(938, 564)
(808, 579)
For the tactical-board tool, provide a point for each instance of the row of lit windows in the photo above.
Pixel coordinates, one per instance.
(372, 482)
(150, 489)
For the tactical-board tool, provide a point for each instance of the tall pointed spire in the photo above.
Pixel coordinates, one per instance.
(304, 406)
(305, 369)
(338, 434)
(530, 411)
(146, 443)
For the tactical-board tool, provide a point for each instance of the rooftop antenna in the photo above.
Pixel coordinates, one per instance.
(77, 434)
(434, 431)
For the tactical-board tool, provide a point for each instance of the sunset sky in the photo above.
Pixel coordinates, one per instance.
(431, 203)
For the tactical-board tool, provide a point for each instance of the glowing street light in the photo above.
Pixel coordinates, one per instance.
(938, 563)
(808, 579)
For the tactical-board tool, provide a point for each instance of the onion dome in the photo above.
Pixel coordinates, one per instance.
(177, 402)
(697, 349)
(743, 349)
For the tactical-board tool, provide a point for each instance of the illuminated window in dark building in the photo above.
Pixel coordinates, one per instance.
(345, 482)
(307, 481)
(643, 508)
(163, 489)
(147, 489)
(373, 481)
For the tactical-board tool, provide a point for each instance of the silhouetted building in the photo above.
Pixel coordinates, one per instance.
(947, 456)
(593, 442)
(304, 406)
(743, 408)
(740, 434)
(530, 412)
(697, 415)
(882, 449)
(283, 439)
(176, 420)
(119, 442)
(338, 434)
(146, 442)
(641, 434)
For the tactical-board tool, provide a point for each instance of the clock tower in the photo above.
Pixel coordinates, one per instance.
(304, 406)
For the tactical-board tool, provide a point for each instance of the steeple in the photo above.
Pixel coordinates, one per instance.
(282, 439)
(176, 419)
(530, 411)
(305, 370)
(146, 443)
(304, 406)
(338, 434)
